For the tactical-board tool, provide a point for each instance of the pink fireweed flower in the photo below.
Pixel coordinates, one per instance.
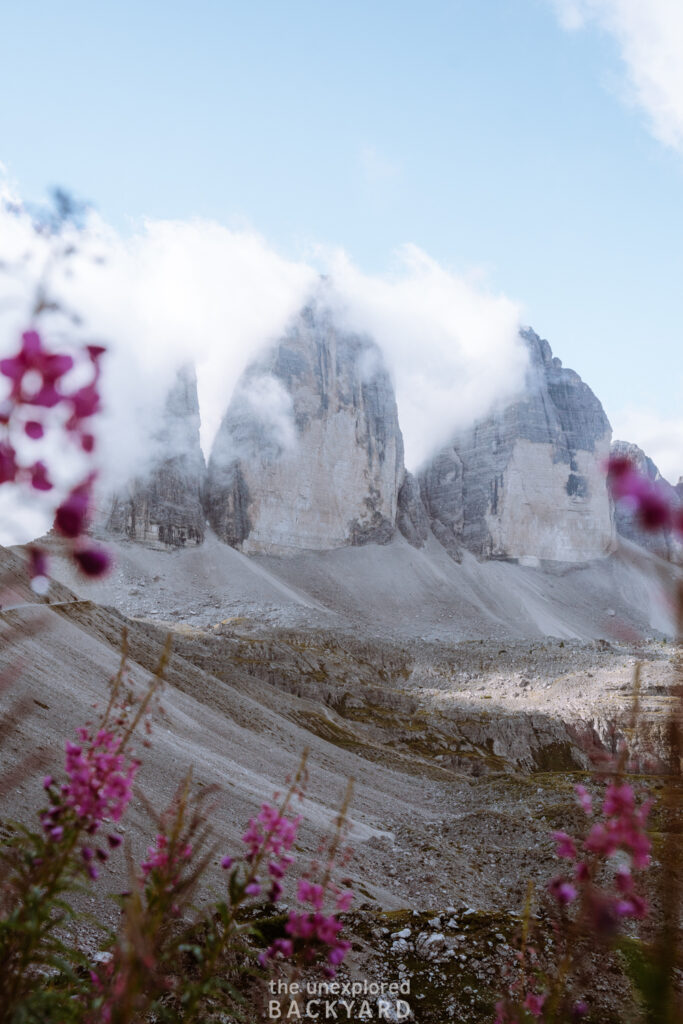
(338, 951)
(100, 782)
(8, 463)
(581, 872)
(585, 799)
(318, 933)
(602, 840)
(327, 928)
(32, 359)
(71, 516)
(226, 863)
(534, 1004)
(157, 856)
(85, 402)
(565, 845)
(37, 561)
(618, 800)
(35, 375)
(34, 430)
(563, 891)
(92, 561)
(39, 478)
(644, 496)
(632, 905)
(283, 947)
(308, 892)
(300, 926)
(344, 901)
(270, 833)
(502, 1015)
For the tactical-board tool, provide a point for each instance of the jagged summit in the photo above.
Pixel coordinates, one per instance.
(527, 481)
(309, 454)
(162, 507)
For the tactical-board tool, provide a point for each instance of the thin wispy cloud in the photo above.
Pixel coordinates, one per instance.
(649, 34)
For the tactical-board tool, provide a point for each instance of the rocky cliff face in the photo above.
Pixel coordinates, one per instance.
(660, 542)
(309, 454)
(527, 481)
(163, 507)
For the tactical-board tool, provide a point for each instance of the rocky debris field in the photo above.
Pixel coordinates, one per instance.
(464, 755)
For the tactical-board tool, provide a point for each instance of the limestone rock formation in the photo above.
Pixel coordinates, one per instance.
(527, 482)
(662, 543)
(309, 454)
(411, 516)
(163, 506)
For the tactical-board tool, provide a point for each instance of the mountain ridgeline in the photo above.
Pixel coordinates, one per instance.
(309, 456)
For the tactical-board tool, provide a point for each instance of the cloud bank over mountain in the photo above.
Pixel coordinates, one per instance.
(175, 291)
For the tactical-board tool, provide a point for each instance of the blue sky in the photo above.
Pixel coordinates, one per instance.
(531, 159)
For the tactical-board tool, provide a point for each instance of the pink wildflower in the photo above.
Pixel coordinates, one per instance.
(534, 1004)
(100, 783)
(71, 516)
(585, 799)
(34, 430)
(307, 892)
(618, 800)
(344, 901)
(565, 845)
(39, 478)
(93, 561)
(632, 905)
(563, 891)
(8, 463)
(644, 496)
(32, 358)
(284, 947)
(157, 856)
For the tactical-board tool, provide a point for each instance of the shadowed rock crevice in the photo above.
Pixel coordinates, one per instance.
(162, 507)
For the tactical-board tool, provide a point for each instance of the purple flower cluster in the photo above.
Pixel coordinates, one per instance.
(269, 837)
(310, 932)
(162, 858)
(622, 830)
(36, 389)
(650, 504)
(99, 786)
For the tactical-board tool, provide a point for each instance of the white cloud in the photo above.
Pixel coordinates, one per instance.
(650, 38)
(660, 437)
(453, 348)
(177, 291)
